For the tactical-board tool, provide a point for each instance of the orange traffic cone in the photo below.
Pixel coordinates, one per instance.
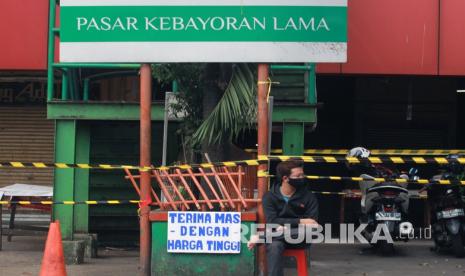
(53, 263)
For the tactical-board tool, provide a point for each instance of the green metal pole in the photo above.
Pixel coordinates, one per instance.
(64, 182)
(175, 86)
(293, 138)
(51, 50)
(85, 96)
(71, 84)
(64, 86)
(75, 84)
(97, 65)
(81, 177)
(110, 74)
(311, 85)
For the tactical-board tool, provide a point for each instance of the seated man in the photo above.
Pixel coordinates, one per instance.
(288, 203)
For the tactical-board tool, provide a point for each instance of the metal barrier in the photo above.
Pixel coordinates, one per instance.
(222, 187)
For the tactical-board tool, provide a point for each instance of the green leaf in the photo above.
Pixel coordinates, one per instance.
(235, 111)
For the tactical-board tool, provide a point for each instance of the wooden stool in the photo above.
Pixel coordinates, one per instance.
(301, 259)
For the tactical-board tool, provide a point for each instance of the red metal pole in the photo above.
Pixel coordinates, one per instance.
(262, 134)
(145, 186)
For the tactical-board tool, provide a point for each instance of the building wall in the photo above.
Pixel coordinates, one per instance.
(452, 38)
(24, 34)
(392, 37)
(418, 37)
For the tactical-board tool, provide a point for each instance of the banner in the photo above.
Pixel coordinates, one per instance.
(204, 232)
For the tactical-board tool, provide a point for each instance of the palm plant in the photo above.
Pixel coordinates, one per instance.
(235, 111)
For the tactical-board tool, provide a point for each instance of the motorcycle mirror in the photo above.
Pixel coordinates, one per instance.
(413, 171)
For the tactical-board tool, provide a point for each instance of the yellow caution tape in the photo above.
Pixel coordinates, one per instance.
(262, 159)
(398, 152)
(88, 202)
(377, 179)
(358, 194)
(374, 160)
(43, 165)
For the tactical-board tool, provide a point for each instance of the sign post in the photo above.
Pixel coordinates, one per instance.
(148, 31)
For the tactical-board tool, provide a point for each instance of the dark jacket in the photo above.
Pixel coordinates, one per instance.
(302, 204)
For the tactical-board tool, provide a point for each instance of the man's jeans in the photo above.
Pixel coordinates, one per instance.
(274, 253)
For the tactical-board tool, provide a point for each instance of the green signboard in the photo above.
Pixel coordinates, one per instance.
(203, 31)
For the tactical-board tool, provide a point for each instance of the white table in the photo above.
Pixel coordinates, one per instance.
(18, 192)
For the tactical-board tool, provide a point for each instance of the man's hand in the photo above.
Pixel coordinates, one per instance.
(308, 221)
(253, 241)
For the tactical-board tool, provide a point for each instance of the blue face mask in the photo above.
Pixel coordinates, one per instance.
(297, 182)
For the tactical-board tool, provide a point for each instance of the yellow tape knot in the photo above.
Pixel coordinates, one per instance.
(269, 83)
(262, 173)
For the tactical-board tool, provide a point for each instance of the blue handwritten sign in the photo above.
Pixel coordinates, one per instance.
(204, 232)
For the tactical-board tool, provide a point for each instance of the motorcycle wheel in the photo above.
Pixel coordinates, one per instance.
(457, 245)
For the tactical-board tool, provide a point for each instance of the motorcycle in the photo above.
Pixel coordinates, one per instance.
(389, 205)
(448, 215)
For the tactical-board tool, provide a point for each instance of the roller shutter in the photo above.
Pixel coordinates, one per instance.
(26, 135)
